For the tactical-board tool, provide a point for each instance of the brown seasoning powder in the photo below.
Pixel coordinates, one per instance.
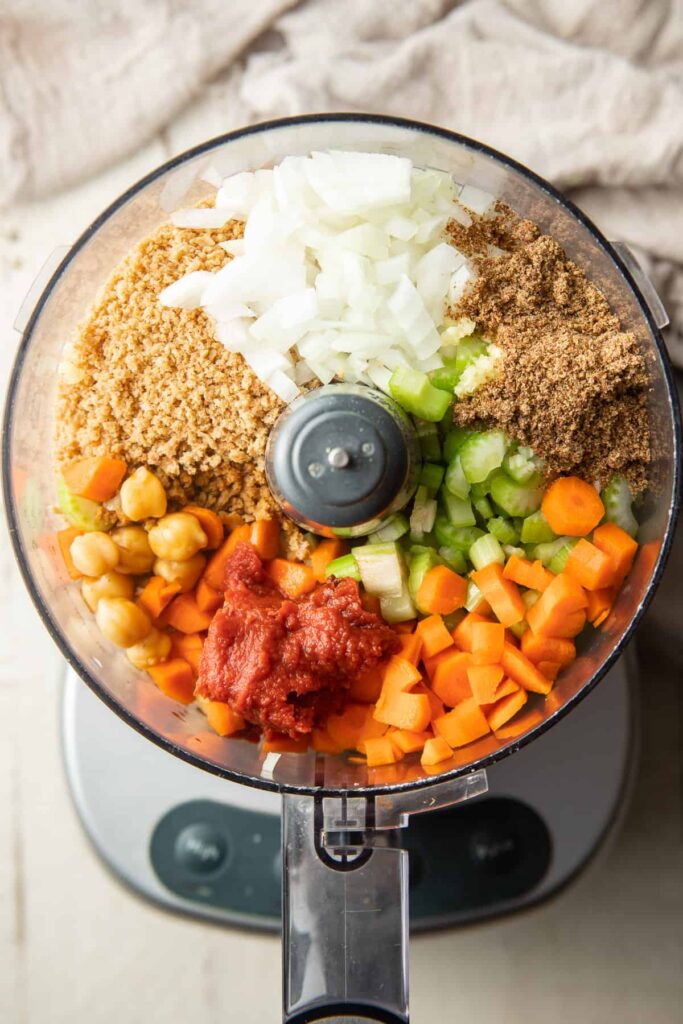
(571, 384)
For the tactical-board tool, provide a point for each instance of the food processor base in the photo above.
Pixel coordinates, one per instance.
(200, 845)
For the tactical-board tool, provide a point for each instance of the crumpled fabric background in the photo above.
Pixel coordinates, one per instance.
(587, 93)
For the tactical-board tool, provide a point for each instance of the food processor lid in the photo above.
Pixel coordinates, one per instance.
(338, 456)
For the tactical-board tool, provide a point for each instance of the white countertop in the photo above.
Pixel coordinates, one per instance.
(75, 947)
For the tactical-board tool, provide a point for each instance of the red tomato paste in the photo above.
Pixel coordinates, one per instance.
(284, 664)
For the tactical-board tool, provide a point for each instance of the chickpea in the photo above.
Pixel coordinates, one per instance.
(110, 584)
(185, 573)
(122, 621)
(94, 553)
(154, 648)
(177, 537)
(143, 496)
(135, 555)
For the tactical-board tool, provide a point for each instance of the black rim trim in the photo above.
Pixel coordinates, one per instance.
(10, 512)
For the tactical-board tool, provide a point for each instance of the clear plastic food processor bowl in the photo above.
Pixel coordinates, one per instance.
(345, 899)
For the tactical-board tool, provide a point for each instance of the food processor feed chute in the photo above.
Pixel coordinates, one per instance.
(341, 459)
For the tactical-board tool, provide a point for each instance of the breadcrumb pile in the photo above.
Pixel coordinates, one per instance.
(151, 385)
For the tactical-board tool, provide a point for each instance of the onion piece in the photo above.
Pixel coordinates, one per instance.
(201, 218)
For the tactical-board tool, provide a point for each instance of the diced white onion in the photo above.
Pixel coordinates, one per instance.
(344, 268)
(476, 200)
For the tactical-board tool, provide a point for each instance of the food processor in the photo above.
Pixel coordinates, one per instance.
(346, 830)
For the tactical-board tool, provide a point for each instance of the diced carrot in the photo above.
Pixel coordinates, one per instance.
(599, 602)
(462, 634)
(552, 613)
(450, 682)
(533, 575)
(174, 678)
(506, 708)
(293, 578)
(400, 675)
(464, 724)
(403, 710)
(487, 642)
(214, 574)
(281, 744)
(188, 646)
(157, 594)
(97, 478)
(355, 723)
(546, 648)
(322, 742)
(590, 566)
(222, 718)
(550, 669)
(601, 618)
(522, 723)
(436, 706)
(208, 599)
(366, 686)
(408, 742)
(411, 647)
(484, 681)
(184, 615)
(434, 635)
(210, 523)
(65, 539)
(435, 751)
(572, 506)
(442, 591)
(505, 688)
(522, 671)
(503, 595)
(618, 546)
(380, 750)
(326, 552)
(265, 536)
(371, 603)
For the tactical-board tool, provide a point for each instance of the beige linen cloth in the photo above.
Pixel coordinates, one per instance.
(589, 93)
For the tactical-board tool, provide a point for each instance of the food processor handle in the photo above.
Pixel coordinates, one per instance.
(345, 926)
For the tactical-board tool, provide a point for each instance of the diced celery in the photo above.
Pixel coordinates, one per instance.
(512, 549)
(559, 560)
(453, 442)
(468, 351)
(454, 559)
(431, 475)
(521, 465)
(617, 499)
(83, 513)
(344, 567)
(382, 569)
(518, 628)
(545, 552)
(536, 529)
(486, 550)
(343, 531)
(412, 390)
(530, 597)
(450, 536)
(515, 499)
(396, 526)
(483, 507)
(423, 514)
(455, 480)
(473, 597)
(447, 376)
(458, 510)
(503, 530)
(481, 454)
(428, 436)
(399, 608)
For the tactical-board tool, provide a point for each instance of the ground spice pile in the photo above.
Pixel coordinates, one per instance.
(151, 385)
(571, 384)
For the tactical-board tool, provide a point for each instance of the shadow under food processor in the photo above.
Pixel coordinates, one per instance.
(341, 827)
